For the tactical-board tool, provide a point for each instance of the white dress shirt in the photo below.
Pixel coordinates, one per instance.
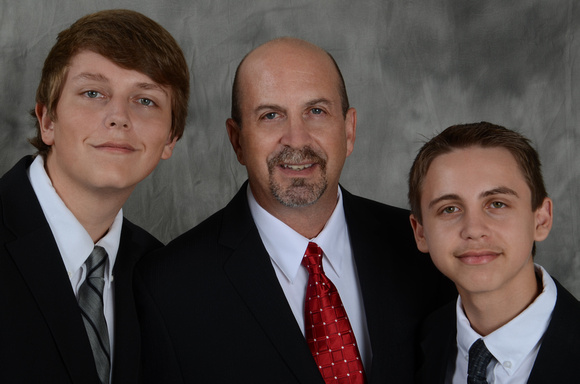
(286, 248)
(73, 241)
(514, 346)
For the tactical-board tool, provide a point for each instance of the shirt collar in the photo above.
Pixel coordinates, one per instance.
(286, 247)
(516, 339)
(73, 241)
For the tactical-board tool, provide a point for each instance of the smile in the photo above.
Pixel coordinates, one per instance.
(121, 147)
(296, 167)
(478, 257)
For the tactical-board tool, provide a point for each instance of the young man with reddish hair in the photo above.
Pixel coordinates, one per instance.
(478, 205)
(111, 103)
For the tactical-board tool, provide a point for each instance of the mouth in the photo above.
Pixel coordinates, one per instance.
(476, 257)
(297, 160)
(296, 167)
(116, 147)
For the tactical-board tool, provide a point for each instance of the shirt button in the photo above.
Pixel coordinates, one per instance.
(507, 364)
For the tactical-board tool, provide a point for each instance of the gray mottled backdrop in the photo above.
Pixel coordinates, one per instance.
(412, 68)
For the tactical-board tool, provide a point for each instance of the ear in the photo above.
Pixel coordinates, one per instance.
(46, 124)
(350, 122)
(234, 134)
(544, 219)
(419, 234)
(168, 149)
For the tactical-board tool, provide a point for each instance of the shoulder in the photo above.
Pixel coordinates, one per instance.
(560, 348)
(16, 174)
(566, 313)
(139, 236)
(372, 207)
(186, 250)
(442, 322)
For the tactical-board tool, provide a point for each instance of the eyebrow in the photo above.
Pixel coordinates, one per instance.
(449, 196)
(91, 76)
(262, 107)
(277, 107)
(484, 194)
(322, 100)
(104, 79)
(499, 191)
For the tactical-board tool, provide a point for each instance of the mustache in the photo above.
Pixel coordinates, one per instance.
(296, 156)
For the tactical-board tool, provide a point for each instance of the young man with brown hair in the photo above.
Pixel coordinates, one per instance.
(478, 205)
(112, 102)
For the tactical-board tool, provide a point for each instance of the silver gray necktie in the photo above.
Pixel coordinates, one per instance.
(91, 305)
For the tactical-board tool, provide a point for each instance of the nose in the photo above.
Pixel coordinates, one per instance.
(474, 226)
(296, 133)
(118, 115)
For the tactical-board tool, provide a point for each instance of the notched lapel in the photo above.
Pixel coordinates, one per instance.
(251, 272)
(37, 257)
(35, 253)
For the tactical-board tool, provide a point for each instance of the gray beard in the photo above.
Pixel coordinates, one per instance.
(300, 193)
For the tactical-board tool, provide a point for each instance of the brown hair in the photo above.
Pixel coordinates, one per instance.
(485, 135)
(236, 114)
(130, 40)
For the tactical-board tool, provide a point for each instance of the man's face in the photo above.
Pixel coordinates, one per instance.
(111, 130)
(294, 137)
(478, 224)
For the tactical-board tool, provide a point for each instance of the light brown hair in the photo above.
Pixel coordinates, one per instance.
(130, 40)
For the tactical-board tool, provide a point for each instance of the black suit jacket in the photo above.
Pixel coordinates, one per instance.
(212, 309)
(42, 336)
(557, 358)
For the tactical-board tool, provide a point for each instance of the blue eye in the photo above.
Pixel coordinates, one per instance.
(316, 111)
(92, 94)
(270, 116)
(146, 102)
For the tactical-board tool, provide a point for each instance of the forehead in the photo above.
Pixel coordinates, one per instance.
(472, 170)
(89, 62)
(281, 71)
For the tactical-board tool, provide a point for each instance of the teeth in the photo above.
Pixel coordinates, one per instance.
(296, 167)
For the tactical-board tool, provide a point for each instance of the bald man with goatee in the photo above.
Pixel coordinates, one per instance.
(296, 280)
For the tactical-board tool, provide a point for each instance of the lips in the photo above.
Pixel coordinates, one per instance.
(115, 147)
(480, 256)
(300, 167)
(296, 159)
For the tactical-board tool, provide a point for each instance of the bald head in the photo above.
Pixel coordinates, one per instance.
(281, 53)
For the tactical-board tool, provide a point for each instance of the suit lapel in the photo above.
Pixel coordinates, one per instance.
(127, 338)
(251, 272)
(560, 349)
(439, 346)
(36, 255)
(365, 235)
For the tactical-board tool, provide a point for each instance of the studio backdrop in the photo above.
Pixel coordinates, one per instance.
(412, 68)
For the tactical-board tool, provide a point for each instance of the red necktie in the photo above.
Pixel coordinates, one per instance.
(328, 331)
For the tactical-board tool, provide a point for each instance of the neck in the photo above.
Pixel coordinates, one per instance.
(95, 208)
(489, 311)
(95, 213)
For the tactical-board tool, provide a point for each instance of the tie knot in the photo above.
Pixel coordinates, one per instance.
(313, 258)
(96, 262)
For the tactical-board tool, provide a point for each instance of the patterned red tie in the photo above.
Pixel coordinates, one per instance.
(328, 331)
